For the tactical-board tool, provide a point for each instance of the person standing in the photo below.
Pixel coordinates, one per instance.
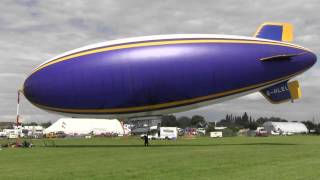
(146, 140)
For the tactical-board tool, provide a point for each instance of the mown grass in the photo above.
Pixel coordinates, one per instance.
(294, 157)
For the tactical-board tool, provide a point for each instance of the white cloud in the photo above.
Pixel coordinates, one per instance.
(12, 75)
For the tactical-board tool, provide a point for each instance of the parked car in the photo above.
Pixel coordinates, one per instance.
(50, 135)
(275, 133)
(3, 134)
(61, 134)
(261, 132)
(201, 131)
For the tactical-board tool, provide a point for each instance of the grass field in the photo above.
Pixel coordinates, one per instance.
(294, 157)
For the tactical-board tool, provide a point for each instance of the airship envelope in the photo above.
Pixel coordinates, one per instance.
(164, 74)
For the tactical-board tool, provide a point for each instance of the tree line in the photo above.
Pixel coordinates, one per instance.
(230, 121)
(9, 125)
(195, 121)
(246, 121)
(233, 122)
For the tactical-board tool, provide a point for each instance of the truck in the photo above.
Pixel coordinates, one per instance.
(167, 133)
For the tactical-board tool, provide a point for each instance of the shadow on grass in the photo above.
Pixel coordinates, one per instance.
(163, 145)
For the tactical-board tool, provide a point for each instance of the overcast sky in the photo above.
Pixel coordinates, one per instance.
(33, 31)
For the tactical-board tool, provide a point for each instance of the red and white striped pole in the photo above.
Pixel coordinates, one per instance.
(17, 120)
(18, 104)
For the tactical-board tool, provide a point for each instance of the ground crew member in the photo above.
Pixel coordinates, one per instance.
(146, 140)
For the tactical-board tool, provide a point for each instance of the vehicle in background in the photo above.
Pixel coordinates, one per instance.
(287, 133)
(105, 134)
(191, 131)
(3, 134)
(220, 128)
(61, 134)
(276, 133)
(32, 131)
(150, 137)
(180, 132)
(216, 134)
(261, 132)
(201, 131)
(13, 133)
(168, 133)
(50, 135)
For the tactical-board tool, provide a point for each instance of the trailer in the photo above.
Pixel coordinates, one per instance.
(13, 133)
(168, 133)
(216, 134)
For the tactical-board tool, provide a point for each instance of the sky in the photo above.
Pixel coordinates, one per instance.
(33, 31)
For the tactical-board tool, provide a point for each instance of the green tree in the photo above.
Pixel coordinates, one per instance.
(310, 125)
(31, 124)
(228, 132)
(210, 127)
(169, 121)
(252, 125)
(184, 122)
(198, 121)
(229, 121)
(46, 124)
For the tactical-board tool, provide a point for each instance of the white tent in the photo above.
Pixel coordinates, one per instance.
(285, 127)
(85, 126)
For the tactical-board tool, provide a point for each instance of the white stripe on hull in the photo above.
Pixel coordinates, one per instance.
(161, 37)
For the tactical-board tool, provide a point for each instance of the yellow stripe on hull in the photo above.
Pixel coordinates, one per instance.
(158, 43)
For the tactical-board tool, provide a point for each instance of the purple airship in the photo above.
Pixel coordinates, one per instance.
(156, 75)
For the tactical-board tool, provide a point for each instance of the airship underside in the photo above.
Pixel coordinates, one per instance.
(164, 74)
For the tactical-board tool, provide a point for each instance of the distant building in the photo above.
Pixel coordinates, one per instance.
(285, 127)
(77, 126)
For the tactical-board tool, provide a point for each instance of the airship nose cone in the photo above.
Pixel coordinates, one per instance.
(27, 89)
(307, 60)
(304, 61)
(32, 91)
(312, 59)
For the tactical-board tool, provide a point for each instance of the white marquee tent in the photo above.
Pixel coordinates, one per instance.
(85, 126)
(285, 127)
